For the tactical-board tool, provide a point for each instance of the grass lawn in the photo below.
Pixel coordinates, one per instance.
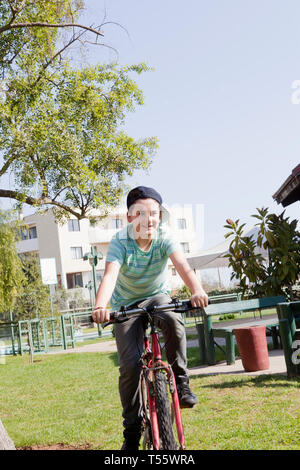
(73, 399)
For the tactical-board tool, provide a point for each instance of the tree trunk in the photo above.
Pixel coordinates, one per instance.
(5, 441)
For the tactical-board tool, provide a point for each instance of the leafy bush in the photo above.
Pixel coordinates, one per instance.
(268, 265)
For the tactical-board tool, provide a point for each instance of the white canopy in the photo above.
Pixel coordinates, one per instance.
(214, 257)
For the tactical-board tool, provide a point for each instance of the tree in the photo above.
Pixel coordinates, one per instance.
(33, 298)
(11, 272)
(281, 240)
(62, 128)
(46, 28)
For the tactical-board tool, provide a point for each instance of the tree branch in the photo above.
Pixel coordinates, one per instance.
(41, 24)
(58, 53)
(6, 165)
(31, 201)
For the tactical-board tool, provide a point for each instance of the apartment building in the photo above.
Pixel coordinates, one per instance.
(68, 243)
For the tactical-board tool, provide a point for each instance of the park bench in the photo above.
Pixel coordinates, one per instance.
(207, 331)
(289, 327)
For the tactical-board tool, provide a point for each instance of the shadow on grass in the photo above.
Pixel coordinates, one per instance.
(272, 381)
(113, 357)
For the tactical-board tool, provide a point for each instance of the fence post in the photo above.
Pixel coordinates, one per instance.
(20, 337)
(45, 331)
(12, 333)
(72, 331)
(63, 332)
(30, 341)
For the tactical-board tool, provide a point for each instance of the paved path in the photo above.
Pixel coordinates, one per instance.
(277, 366)
(276, 357)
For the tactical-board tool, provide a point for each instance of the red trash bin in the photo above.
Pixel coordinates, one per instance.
(253, 349)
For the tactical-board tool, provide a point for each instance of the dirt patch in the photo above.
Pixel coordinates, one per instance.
(58, 446)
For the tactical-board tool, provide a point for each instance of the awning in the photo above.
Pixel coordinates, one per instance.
(289, 191)
(214, 257)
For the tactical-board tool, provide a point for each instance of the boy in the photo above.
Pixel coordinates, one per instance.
(136, 274)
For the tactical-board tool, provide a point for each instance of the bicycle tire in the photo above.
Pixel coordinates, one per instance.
(166, 433)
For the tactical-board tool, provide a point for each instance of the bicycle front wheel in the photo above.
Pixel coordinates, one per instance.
(166, 433)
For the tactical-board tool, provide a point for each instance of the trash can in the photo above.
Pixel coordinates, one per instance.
(253, 349)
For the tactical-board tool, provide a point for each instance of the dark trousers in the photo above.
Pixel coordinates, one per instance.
(129, 339)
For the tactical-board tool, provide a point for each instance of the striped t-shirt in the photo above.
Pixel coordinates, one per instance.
(142, 274)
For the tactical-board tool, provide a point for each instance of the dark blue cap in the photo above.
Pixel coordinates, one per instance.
(142, 192)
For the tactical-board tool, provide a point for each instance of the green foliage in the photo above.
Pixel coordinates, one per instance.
(280, 239)
(62, 128)
(33, 300)
(11, 272)
(183, 293)
(60, 299)
(21, 287)
(29, 49)
(227, 316)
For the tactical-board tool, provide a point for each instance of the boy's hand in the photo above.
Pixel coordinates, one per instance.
(100, 315)
(199, 299)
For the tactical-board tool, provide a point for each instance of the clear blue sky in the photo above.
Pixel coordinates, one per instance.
(219, 100)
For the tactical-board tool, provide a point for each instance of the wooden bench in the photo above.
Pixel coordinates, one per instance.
(207, 332)
(289, 327)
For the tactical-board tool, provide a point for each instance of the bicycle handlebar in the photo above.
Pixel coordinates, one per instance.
(127, 312)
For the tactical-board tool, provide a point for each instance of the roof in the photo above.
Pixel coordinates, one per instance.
(289, 191)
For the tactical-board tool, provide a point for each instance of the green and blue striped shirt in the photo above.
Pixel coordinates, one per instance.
(142, 274)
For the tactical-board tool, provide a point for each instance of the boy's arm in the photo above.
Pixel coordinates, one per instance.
(104, 293)
(199, 297)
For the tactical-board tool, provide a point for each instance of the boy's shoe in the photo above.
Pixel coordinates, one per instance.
(130, 446)
(186, 397)
(131, 441)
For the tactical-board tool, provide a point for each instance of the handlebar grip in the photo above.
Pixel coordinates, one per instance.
(113, 316)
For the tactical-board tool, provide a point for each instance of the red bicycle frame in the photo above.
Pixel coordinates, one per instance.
(152, 362)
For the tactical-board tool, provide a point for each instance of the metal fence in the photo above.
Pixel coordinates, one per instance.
(44, 334)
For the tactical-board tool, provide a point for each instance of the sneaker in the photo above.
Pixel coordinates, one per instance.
(131, 441)
(130, 445)
(186, 397)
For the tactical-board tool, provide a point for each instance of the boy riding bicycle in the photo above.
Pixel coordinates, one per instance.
(136, 274)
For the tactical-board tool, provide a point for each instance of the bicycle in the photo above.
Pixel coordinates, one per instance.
(157, 378)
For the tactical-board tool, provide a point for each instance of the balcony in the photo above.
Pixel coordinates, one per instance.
(25, 246)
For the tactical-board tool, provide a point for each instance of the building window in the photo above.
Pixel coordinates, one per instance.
(185, 247)
(76, 252)
(74, 280)
(73, 225)
(181, 224)
(173, 272)
(28, 234)
(117, 223)
(32, 232)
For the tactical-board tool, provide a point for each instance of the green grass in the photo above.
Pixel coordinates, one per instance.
(73, 399)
